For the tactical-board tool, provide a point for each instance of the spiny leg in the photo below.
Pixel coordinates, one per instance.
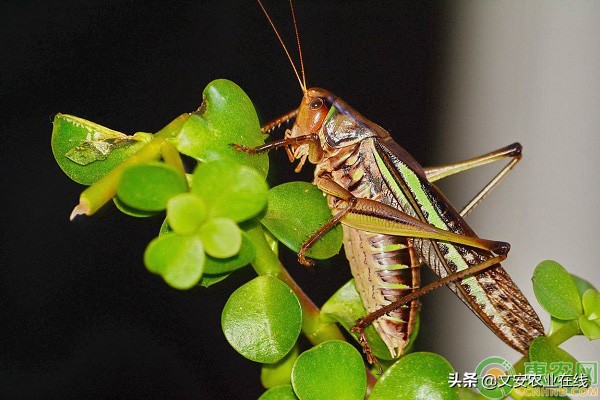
(513, 151)
(364, 322)
(276, 123)
(277, 143)
(373, 216)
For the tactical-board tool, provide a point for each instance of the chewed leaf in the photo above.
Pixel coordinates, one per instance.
(97, 149)
(262, 319)
(226, 116)
(86, 151)
(332, 370)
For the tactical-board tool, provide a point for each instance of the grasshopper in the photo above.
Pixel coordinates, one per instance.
(394, 219)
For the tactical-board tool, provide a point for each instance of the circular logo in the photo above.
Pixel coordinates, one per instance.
(495, 377)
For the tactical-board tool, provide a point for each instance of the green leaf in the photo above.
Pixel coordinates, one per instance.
(185, 213)
(556, 291)
(262, 319)
(226, 116)
(246, 254)
(543, 350)
(591, 329)
(133, 212)
(346, 307)
(582, 284)
(149, 186)
(279, 393)
(280, 373)
(221, 237)
(469, 394)
(591, 304)
(331, 370)
(209, 280)
(86, 151)
(296, 211)
(178, 259)
(416, 376)
(590, 321)
(230, 190)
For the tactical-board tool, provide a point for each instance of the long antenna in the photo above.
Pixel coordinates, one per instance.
(302, 86)
(298, 41)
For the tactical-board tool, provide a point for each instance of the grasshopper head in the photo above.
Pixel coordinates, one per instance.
(311, 114)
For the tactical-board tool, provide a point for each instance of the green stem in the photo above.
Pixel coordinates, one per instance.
(105, 189)
(267, 263)
(313, 326)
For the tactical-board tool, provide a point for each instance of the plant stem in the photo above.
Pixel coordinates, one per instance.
(313, 326)
(105, 189)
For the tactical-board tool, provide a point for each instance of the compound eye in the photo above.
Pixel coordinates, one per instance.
(316, 103)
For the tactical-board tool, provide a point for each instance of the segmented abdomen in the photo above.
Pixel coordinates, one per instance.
(384, 269)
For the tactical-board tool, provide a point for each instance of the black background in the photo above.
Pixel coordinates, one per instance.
(80, 317)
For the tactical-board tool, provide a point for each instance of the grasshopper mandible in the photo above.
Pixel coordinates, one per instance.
(395, 219)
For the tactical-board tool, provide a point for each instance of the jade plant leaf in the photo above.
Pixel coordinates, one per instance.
(221, 237)
(149, 186)
(556, 291)
(284, 392)
(185, 213)
(178, 259)
(331, 370)
(226, 116)
(245, 255)
(346, 307)
(262, 319)
(133, 212)
(416, 376)
(280, 373)
(543, 350)
(86, 151)
(230, 190)
(208, 280)
(295, 212)
(590, 321)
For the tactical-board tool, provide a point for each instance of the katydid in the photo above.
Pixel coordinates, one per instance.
(395, 219)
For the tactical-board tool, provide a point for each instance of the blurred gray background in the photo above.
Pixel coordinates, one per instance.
(527, 72)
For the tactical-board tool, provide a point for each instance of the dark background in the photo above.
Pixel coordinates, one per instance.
(80, 317)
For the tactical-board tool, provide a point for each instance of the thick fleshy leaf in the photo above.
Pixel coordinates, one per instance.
(262, 319)
(280, 373)
(230, 190)
(590, 321)
(226, 116)
(133, 212)
(149, 186)
(284, 392)
(209, 279)
(582, 284)
(416, 376)
(332, 370)
(185, 213)
(346, 307)
(245, 255)
(469, 394)
(178, 259)
(222, 237)
(591, 329)
(295, 212)
(543, 350)
(86, 151)
(556, 291)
